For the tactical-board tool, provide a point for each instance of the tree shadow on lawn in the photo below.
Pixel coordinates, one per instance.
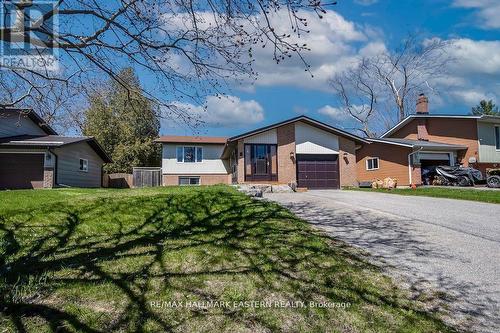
(102, 265)
(407, 253)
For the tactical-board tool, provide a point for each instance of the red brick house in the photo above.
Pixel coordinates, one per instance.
(425, 139)
(301, 151)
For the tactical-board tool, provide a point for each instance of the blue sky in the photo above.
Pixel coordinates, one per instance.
(359, 27)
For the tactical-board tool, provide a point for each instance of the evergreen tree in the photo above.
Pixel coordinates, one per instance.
(125, 122)
(486, 108)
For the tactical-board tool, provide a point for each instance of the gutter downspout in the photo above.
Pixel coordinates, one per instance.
(409, 164)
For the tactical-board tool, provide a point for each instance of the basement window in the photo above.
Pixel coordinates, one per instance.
(189, 181)
(372, 163)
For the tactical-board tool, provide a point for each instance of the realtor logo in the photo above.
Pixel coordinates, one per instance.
(28, 29)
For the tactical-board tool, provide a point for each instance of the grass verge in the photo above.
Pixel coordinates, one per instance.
(153, 260)
(490, 196)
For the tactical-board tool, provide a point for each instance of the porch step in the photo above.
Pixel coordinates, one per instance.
(301, 189)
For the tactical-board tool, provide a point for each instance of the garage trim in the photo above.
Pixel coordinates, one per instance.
(434, 155)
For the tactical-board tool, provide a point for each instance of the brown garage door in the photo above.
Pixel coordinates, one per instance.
(318, 171)
(19, 171)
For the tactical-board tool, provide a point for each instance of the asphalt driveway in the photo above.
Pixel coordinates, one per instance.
(447, 252)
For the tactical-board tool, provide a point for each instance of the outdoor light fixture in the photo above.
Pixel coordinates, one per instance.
(345, 154)
(292, 154)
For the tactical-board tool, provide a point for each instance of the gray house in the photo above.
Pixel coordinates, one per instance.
(33, 155)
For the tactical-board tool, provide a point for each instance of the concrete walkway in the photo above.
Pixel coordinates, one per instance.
(449, 249)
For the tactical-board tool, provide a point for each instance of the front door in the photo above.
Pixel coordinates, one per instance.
(260, 162)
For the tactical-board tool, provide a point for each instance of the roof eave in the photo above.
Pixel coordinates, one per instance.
(391, 143)
(92, 142)
(191, 142)
(414, 116)
(295, 119)
(443, 148)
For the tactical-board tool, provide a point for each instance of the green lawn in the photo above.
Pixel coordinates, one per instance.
(104, 260)
(491, 196)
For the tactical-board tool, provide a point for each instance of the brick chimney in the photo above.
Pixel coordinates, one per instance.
(422, 109)
(422, 104)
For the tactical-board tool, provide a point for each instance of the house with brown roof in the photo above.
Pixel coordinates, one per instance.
(33, 155)
(424, 140)
(300, 151)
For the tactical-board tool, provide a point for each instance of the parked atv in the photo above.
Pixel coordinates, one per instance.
(493, 178)
(457, 176)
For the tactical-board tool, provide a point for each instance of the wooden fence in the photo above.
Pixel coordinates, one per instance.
(117, 180)
(146, 177)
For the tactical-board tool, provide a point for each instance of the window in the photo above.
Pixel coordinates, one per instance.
(189, 154)
(84, 165)
(187, 181)
(372, 163)
(497, 137)
(199, 154)
(180, 154)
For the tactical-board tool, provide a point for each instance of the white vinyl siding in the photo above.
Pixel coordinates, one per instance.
(14, 123)
(312, 140)
(372, 163)
(211, 162)
(488, 135)
(267, 137)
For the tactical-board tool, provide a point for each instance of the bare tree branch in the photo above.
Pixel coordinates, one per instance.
(391, 82)
(187, 49)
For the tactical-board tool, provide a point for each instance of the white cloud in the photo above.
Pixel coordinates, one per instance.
(333, 112)
(473, 75)
(335, 45)
(226, 111)
(488, 11)
(472, 96)
(475, 56)
(333, 41)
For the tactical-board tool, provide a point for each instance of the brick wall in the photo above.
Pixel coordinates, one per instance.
(447, 130)
(286, 145)
(393, 162)
(416, 176)
(48, 177)
(214, 179)
(241, 162)
(347, 164)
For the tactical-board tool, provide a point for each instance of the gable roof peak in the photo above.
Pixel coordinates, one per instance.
(34, 117)
(307, 119)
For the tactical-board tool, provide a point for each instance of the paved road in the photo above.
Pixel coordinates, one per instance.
(429, 244)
